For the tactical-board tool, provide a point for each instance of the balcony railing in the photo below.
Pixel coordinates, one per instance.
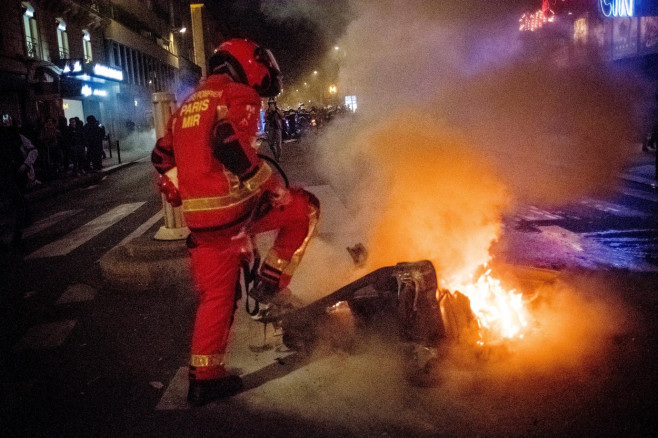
(33, 48)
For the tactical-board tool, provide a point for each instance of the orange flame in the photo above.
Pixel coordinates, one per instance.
(502, 314)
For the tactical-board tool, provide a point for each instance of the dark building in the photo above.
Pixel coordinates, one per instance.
(622, 30)
(100, 57)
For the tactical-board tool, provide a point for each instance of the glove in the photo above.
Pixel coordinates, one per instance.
(277, 194)
(279, 197)
(168, 188)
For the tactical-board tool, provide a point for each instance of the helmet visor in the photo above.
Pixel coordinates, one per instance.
(265, 57)
(272, 85)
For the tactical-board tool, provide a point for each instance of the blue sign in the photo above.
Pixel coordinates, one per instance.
(617, 8)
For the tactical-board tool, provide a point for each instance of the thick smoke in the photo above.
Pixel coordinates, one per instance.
(459, 120)
(327, 18)
(457, 123)
(552, 132)
(139, 141)
(552, 379)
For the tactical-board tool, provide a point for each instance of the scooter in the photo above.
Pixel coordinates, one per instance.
(403, 299)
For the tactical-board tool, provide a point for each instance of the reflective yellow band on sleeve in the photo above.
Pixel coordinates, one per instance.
(259, 178)
(275, 261)
(245, 191)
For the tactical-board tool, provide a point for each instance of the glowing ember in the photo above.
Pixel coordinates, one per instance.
(501, 313)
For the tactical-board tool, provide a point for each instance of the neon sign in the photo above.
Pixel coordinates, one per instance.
(77, 67)
(108, 72)
(89, 71)
(617, 8)
(87, 91)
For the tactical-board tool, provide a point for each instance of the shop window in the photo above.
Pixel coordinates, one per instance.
(350, 102)
(32, 40)
(62, 39)
(116, 56)
(86, 46)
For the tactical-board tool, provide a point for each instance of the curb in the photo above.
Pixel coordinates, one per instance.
(83, 181)
(144, 263)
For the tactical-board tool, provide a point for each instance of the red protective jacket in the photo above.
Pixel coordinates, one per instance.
(210, 139)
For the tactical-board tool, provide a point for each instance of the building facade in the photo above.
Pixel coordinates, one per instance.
(94, 57)
(621, 30)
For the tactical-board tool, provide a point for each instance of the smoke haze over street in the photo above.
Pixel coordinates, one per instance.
(459, 123)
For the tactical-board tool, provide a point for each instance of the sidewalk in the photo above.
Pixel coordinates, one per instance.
(68, 182)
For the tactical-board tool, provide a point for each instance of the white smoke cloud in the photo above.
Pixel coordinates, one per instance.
(327, 18)
(458, 122)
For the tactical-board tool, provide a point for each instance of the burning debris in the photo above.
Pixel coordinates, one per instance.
(406, 300)
(358, 253)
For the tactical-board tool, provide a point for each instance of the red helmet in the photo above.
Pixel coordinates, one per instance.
(249, 64)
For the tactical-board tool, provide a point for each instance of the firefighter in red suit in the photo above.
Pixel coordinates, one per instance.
(209, 145)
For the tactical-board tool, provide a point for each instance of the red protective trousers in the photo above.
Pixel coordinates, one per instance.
(216, 261)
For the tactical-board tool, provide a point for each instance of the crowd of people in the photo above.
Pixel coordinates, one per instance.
(46, 151)
(56, 148)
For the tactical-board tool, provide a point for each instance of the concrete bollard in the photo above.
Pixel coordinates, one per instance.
(174, 228)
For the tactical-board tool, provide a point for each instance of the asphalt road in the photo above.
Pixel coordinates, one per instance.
(82, 359)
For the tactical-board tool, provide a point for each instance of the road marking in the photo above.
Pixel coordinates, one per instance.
(77, 293)
(638, 179)
(142, 228)
(532, 213)
(175, 396)
(614, 209)
(46, 336)
(638, 194)
(86, 232)
(650, 231)
(42, 224)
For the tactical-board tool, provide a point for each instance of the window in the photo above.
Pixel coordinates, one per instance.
(86, 46)
(62, 39)
(116, 57)
(350, 102)
(32, 40)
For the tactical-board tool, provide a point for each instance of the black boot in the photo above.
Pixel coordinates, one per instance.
(202, 392)
(264, 291)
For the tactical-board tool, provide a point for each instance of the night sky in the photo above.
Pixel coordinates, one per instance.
(291, 29)
(301, 32)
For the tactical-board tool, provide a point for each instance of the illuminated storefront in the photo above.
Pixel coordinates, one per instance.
(620, 29)
(89, 88)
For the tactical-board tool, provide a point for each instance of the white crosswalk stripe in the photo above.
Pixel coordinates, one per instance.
(532, 213)
(51, 220)
(638, 194)
(46, 336)
(85, 233)
(614, 209)
(639, 175)
(77, 293)
(142, 228)
(54, 334)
